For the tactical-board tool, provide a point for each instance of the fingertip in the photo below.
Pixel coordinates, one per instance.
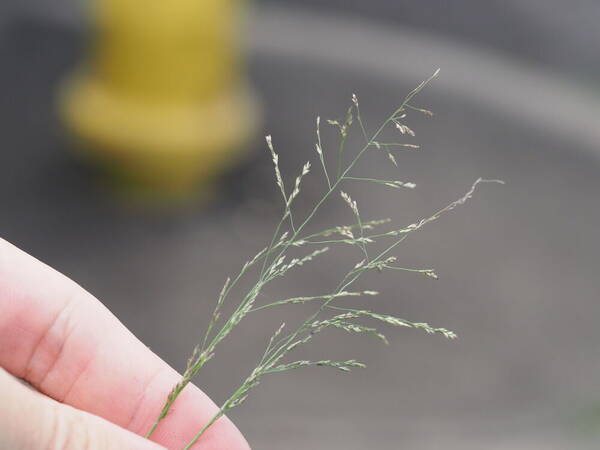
(223, 435)
(191, 411)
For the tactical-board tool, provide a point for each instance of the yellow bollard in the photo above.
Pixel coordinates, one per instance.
(162, 102)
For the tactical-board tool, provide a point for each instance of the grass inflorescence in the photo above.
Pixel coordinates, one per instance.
(274, 262)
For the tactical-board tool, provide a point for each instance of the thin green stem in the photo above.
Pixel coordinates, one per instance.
(320, 152)
(204, 428)
(272, 255)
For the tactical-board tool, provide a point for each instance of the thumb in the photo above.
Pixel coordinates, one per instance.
(30, 421)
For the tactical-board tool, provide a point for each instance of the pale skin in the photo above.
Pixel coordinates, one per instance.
(99, 387)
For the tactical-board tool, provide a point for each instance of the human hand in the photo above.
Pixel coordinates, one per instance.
(100, 386)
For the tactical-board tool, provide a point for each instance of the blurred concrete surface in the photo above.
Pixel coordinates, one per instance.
(556, 33)
(518, 265)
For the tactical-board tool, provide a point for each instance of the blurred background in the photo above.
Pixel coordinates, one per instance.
(518, 98)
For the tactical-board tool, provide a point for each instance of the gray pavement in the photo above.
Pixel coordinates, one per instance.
(557, 34)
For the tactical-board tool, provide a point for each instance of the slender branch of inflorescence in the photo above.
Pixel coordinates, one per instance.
(274, 263)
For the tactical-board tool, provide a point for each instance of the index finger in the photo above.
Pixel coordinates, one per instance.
(64, 342)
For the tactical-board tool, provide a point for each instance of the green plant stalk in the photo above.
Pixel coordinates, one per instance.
(273, 266)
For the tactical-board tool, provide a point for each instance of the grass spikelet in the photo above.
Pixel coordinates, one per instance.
(277, 259)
